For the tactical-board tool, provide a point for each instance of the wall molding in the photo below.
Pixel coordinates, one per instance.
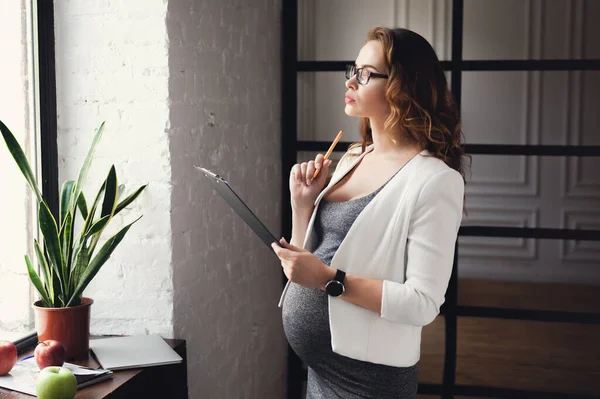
(527, 182)
(580, 251)
(493, 248)
(573, 182)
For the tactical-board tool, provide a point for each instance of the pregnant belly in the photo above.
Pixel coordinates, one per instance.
(306, 323)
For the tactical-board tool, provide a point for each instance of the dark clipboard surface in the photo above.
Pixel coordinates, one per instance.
(235, 202)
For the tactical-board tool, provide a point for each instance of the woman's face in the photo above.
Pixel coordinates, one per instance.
(368, 100)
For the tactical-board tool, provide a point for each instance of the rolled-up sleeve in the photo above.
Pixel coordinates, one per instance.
(429, 249)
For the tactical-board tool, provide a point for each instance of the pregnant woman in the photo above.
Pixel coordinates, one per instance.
(371, 254)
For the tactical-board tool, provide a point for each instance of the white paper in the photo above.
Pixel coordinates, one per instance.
(23, 376)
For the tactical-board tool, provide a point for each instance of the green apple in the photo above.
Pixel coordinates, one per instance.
(56, 382)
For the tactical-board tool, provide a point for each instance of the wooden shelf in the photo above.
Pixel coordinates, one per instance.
(168, 381)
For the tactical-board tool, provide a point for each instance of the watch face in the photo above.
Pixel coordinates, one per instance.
(334, 288)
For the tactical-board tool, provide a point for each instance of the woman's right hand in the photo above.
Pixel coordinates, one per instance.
(303, 190)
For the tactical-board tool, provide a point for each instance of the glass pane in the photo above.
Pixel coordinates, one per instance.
(498, 107)
(335, 30)
(547, 192)
(321, 108)
(550, 108)
(18, 210)
(528, 355)
(433, 341)
(517, 29)
(559, 296)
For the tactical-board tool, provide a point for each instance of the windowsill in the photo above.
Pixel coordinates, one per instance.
(168, 381)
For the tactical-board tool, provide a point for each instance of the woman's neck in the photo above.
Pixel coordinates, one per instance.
(384, 146)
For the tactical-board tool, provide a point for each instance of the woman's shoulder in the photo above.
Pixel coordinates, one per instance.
(433, 175)
(429, 165)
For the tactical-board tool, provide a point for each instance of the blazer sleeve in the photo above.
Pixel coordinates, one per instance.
(431, 239)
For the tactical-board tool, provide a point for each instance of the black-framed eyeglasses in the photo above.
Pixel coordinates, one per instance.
(362, 75)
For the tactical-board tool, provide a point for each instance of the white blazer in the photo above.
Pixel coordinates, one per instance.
(405, 236)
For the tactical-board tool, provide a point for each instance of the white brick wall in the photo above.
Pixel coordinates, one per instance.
(112, 64)
(182, 83)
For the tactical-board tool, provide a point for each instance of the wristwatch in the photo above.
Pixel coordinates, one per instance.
(336, 286)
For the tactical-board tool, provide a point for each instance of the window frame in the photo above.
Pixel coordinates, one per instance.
(46, 115)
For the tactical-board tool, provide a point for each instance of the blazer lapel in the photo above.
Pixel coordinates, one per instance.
(342, 174)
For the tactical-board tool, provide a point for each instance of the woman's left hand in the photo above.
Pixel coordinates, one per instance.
(301, 266)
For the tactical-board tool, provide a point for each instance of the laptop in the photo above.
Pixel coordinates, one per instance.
(120, 353)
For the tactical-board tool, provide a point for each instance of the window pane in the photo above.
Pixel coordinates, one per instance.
(335, 30)
(321, 107)
(517, 29)
(547, 108)
(17, 214)
(528, 355)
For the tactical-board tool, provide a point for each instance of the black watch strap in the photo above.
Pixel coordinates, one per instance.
(339, 276)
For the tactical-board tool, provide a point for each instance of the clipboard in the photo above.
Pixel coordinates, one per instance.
(222, 187)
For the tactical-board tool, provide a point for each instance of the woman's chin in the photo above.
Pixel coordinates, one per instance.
(350, 110)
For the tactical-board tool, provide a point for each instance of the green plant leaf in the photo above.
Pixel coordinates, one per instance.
(50, 233)
(82, 259)
(66, 241)
(47, 273)
(88, 161)
(65, 199)
(98, 260)
(99, 225)
(56, 281)
(108, 206)
(110, 193)
(90, 219)
(82, 205)
(19, 156)
(37, 283)
(123, 204)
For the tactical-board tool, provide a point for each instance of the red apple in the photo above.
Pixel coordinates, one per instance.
(49, 353)
(8, 356)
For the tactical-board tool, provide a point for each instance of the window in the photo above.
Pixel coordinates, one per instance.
(18, 221)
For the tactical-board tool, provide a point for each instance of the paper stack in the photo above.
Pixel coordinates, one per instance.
(22, 377)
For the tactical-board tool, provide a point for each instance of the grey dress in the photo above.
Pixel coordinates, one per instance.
(306, 325)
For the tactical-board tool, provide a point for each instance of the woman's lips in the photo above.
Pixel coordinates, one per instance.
(348, 99)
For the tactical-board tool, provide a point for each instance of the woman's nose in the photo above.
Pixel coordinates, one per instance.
(351, 83)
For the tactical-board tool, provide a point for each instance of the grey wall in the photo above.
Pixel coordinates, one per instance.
(224, 86)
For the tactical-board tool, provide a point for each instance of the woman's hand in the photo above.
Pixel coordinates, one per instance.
(301, 266)
(303, 189)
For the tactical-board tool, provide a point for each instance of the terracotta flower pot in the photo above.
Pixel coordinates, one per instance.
(69, 326)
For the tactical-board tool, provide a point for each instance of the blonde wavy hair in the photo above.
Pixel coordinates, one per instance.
(418, 95)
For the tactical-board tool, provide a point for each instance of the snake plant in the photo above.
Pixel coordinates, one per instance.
(68, 261)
